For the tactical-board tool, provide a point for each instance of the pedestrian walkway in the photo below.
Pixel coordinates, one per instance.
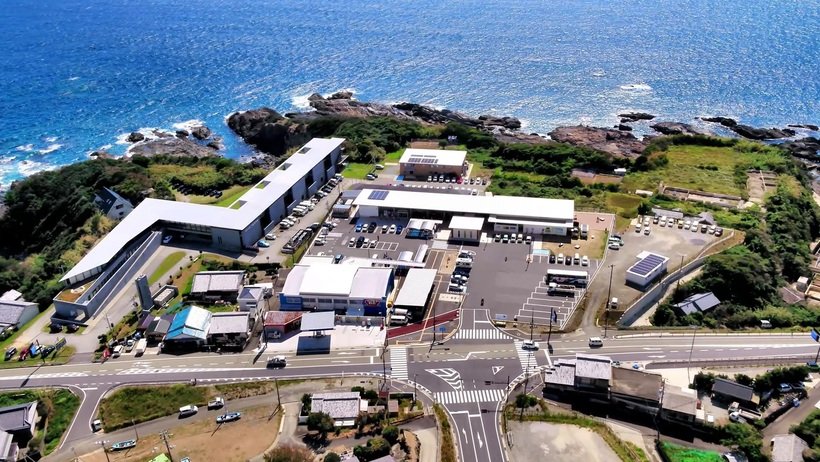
(451, 376)
(470, 396)
(481, 334)
(526, 357)
(398, 363)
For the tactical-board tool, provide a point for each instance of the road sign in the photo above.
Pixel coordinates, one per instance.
(442, 329)
(496, 369)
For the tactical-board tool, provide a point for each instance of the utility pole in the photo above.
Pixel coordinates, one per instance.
(532, 324)
(680, 271)
(136, 434)
(549, 335)
(608, 301)
(164, 435)
(691, 349)
(660, 410)
(414, 389)
(102, 444)
(278, 398)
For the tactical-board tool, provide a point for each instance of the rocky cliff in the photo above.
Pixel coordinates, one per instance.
(615, 142)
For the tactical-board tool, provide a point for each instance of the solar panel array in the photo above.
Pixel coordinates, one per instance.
(423, 160)
(646, 265)
(378, 195)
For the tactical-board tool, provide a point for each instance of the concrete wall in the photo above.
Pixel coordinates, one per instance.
(368, 211)
(226, 239)
(29, 312)
(252, 233)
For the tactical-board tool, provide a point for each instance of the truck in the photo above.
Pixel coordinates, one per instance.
(584, 231)
(561, 289)
(142, 344)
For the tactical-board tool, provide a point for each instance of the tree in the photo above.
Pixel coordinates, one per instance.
(744, 379)
(320, 422)
(332, 457)
(375, 448)
(289, 453)
(391, 434)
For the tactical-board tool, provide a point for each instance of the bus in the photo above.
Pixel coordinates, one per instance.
(567, 277)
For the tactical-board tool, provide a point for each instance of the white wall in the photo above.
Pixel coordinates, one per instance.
(368, 211)
(465, 234)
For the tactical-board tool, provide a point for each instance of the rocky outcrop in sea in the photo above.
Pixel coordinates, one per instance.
(615, 142)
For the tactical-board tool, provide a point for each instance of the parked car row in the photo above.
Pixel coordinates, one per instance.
(456, 179)
(684, 224)
(569, 260)
(461, 274)
(373, 227)
(513, 238)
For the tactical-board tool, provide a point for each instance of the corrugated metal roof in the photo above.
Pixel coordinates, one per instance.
(229, 323)
(416, 287)
(217, 281)
(470, 223)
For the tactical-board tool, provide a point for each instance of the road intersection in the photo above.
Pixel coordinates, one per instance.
(471, 374)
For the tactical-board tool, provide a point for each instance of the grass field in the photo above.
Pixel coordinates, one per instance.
(393, 157)
(61, 405)
(230, 195)
(142, 404)
(167, 264)
(703, 168)
(675, 453)
(357, 171)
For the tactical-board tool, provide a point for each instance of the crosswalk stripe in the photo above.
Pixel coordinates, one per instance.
(398, 363)
(525, 357)
(481, 334)
(470, 396)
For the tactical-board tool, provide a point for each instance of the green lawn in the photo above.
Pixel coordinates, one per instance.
(62, 357)
(356, 170)
(167, 264)
(61, 405)
(705, 168)
(393, 157)
(141, 404)
(230, 195)
(675, 453)
(219, 308)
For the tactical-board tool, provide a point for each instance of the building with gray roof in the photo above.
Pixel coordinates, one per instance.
(697, 303)
(357, 289)
(15, 314)
(342, 407)
(217, 285)
(19, 420)
(229, 329)
(788, 448)
(112, 204)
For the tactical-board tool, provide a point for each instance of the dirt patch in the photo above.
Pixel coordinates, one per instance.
(759, 183)
(557, 443)
(235, 441)
(421, 144)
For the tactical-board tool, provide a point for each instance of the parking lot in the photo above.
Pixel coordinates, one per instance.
(679, 245)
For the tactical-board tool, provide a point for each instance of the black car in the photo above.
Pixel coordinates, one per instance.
(372, 227)
(360, 241)
(47, 350)
(552, 258)
(11, 352)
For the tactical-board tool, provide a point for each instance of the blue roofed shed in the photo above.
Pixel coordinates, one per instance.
(189, 325)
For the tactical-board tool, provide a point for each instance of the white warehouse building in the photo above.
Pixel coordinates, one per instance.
(528, 215)
(648, 268)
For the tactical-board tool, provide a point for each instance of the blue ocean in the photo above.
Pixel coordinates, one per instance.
(76, 75)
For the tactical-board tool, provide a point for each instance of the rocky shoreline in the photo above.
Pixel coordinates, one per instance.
(273, 133)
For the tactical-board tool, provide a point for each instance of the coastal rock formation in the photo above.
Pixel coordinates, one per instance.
(725, 121)
(808, 148)
(624, 127)
(806, 126)
(182, 133)
(135, 137)
(171, 146)
(268, 130)
(615, 142)
(201, 132)
(675, 128)
(103, 154)
(344, 94)
(753, 133)
(635, 116)
(510, 123)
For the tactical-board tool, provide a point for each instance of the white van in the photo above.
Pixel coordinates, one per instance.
(560, 259)
(188, 410)
(300, 211)
(117, 351)
(595, 342)
(398, 320)
(399, 312)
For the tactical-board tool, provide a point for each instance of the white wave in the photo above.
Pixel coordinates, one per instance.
(7, 159)
(50, 148)
(25, 148)
(71, 79)
(30, 167)
(105, 147)
(187, 124)
(524, 124)
(301, 101)
(51, 139)
(636, 87)
(598, 73)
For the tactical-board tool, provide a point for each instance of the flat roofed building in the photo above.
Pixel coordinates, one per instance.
(421, 163)
(235, 227)
(679, 405)
(466, 228)
(342, 407)
(229, 329)
(416, 289)
(593, 373)
(530, 215)
(561, 377)
(217, 285)
(279, 323)
(349, 288)
(634, 389)
(648, 268)
(788, 448)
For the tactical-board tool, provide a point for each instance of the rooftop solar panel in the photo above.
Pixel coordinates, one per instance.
(646, 265)
(378, 195)
(422, 160)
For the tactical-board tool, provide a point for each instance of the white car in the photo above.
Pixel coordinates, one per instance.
(529, 345)
(188, 410)
(351, 242)
(584, 261)
(270, 236)
(392, 229)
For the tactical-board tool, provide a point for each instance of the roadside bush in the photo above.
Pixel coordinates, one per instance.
(523, 401)
(289, 453)
(391, 434)
(375, 448)
(332, 457)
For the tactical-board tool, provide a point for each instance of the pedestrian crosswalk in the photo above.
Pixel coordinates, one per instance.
(470, 396)
(526, 357)
(398, 362)
(481, 334)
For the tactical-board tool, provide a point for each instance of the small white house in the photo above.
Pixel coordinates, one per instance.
(14, 313)
(251, 300)
(112, 204)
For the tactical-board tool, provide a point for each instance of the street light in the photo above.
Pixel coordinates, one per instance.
(691, 349)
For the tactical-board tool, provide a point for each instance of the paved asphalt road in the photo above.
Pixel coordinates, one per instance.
(468, 374)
